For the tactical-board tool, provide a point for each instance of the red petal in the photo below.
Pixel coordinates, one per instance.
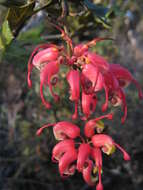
(73, 78)
(91, 125)
(88, 103)
(45, 56)
(100, 140)
(83, 154)
(87, 173)
(64, 129)
(125, 77)
(46, 74)
(62, 147)
(66, 161)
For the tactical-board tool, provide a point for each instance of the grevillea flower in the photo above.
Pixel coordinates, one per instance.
(108, 145)
(93, 124)
(66, 163)
(92, 73)
(97, 61)
(41, 55)
(82, 49)
(97, 156)
(88, 104)
(84, 152)
(118, 98)
(110, 84)
(64, 129)
(87, 173)
(79, 50)
(44, 56)
(61, 148)
(47, 75)
(125, 77)
(73, 78)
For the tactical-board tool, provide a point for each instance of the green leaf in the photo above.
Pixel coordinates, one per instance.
(10, 3)
(6, 34)
(6, 37)
(17, 16)
(99, 10)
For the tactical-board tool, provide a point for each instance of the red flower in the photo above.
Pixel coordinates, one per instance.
(97, 156)
(66, 163)
(64, 129)
(125, 77)
(93, 124)
(92, 73)
(108, 145)
(88, 103)
(97, 61)
(118, 98)
(61, 148)
(87, 173)
(79, 50)
(46, 76)
(39, 58)
(73, 78)
(83, 154)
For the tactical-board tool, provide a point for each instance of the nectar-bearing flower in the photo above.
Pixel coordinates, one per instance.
(92, 124)
(76, 152)
(46, 74)
(107, 145)
(89, 102)
(88, 75)
(62, 130)
(84, 152)
(42, 54)
(66, 163)
(73, 78)
(125, 77)
(61, 148)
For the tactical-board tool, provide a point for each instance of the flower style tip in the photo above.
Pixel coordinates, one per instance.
(99, 186)
(39, 131)
(140, 93)
(126, 156)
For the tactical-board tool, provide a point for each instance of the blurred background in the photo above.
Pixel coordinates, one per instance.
(25, 159)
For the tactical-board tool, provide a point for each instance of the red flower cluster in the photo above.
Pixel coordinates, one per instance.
(88, 74)
(85, 156)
